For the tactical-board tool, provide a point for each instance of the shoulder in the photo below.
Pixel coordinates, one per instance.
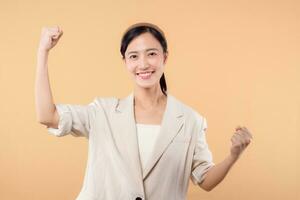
(190, 112)
(105, 102)
(193, 119)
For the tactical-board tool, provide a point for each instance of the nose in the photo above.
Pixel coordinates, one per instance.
(143, 64)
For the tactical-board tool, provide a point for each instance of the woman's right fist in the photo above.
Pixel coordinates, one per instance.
(49, 38)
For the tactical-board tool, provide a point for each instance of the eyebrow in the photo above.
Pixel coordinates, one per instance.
(146, 50)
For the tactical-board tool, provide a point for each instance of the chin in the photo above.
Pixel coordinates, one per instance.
(146, 85)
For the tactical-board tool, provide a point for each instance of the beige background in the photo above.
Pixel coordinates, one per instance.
(235, 62)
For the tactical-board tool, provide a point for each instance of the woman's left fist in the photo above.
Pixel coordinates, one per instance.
(240, 140)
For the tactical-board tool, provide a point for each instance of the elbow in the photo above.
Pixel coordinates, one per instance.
(39, 117)
(209, 189)
(40, 121)
(45, 118)
(206, 188)
(43, 122)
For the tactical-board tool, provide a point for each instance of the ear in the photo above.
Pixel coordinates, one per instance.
(165, 57)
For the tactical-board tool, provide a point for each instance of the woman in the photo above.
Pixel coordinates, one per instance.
(146, 145)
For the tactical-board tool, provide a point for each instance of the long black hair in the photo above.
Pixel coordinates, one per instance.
(136, 30)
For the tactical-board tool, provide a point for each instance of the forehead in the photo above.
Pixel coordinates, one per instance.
(143, 42)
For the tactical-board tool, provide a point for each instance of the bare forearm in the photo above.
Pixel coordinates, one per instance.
(217, 173)
(240, 140)
(43, 97)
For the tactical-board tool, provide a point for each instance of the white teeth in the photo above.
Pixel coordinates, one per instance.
(144, 73)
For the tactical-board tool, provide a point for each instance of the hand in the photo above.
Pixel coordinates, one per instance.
(49, 38)
(240, 140)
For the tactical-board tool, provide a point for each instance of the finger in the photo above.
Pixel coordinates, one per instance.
(246, 140)
(59, 30)
(237, 138)
(238, 127)
(243, 129)
(247, 132)
(241, 139)
(235, 143)
(234, 140)
(58, 36)
(52, 33)
(54, 28)
(245, 137)
(242, 134)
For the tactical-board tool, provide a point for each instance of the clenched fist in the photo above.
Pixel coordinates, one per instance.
(240, 140)
(49, 38)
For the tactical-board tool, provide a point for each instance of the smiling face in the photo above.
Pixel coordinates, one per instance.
(145, 60)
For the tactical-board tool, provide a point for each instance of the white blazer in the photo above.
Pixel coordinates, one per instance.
(114, 171)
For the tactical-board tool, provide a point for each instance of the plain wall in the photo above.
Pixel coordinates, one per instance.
(235, 62)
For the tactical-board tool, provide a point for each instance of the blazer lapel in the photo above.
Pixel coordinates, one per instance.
(171, 124)
(124, 124)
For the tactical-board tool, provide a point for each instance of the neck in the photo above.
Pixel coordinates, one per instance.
(148, 97)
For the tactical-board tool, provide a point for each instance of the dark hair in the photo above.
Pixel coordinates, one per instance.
(136, 30)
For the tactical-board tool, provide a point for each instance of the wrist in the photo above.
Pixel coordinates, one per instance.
(233, 158)
(43, 51)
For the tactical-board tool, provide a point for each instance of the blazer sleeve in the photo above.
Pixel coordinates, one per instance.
(74, 119)
(202, 157)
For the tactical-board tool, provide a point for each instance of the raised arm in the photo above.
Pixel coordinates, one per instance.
(45, 108)
(240, 140)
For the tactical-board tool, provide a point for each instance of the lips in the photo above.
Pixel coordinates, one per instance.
(145, 73)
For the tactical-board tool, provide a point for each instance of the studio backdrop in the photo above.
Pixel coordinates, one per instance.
(235, 62)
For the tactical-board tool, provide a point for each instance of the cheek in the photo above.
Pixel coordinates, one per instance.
(130, 67)
(156, 62)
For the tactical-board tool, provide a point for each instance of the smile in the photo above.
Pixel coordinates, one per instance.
(145, 75)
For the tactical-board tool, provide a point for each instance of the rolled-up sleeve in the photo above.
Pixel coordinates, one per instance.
(202, 158)
(73, 119)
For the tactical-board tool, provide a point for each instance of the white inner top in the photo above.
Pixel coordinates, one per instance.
(147, 134)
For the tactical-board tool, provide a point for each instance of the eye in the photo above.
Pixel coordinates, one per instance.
(132, 56)
(152, 53)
